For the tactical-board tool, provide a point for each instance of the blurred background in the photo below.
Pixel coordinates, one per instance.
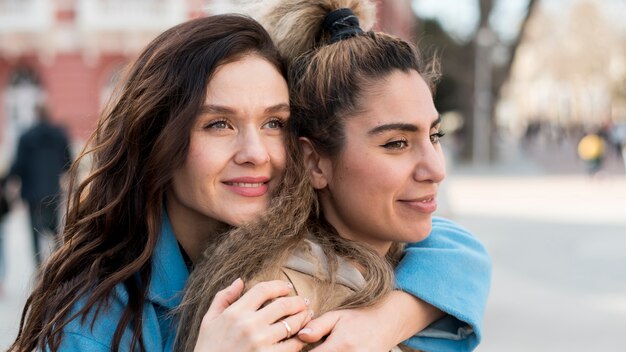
(533, 96)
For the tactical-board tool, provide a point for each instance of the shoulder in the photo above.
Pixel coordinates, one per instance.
(449, 246)
(27, 136)
(308, 270)
(446, 233)
(98, 326)
(60, 132)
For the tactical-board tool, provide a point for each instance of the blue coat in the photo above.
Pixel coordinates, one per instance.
(450, 270)
(169, 275)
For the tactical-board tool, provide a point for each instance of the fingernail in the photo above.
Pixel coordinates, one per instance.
(305, 331)
(289, 285)
(234, 282)
(307, 302)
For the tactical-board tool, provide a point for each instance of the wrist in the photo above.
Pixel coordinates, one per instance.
(412, 314)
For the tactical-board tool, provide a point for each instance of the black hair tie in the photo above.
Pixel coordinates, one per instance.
(342, 24)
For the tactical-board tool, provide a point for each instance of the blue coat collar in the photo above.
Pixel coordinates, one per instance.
(169, 272)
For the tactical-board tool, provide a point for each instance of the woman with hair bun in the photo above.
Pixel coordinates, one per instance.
(365, 130)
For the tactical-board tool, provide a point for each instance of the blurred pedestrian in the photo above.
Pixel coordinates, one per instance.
(43, 156)
(4, 201)
(4, 211)
(591, 151)
(617, 138)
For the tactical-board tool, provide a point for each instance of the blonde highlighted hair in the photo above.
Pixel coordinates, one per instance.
(296, 26)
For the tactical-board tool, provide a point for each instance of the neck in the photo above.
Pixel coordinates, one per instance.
(381, 246)
(194, 231)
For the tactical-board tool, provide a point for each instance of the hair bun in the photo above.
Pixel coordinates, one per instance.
(342, 24)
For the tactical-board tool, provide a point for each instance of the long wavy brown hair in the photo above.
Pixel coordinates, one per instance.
(114, 215)
(328, 83)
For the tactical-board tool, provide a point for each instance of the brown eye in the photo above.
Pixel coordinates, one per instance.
(398, 144)
(435, 137)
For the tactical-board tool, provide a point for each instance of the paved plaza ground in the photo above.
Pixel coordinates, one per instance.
(557, 240)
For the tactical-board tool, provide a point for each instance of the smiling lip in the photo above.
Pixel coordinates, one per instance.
(248, 186)
(427, 204)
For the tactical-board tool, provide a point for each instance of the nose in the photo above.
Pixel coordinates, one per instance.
(251, 148)
(431, 165)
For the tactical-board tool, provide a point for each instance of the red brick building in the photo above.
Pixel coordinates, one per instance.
(66, 53)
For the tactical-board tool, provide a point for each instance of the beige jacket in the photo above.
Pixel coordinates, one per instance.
(307, 270)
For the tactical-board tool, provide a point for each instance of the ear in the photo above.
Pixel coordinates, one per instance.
(315, 164)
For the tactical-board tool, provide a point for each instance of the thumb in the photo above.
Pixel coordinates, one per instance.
(317, 328)
(224, 298)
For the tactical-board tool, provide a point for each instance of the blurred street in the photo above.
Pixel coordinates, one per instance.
(20, 262)
(557, 240)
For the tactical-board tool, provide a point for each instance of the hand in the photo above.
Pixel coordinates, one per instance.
(401, 314)
(235, 323)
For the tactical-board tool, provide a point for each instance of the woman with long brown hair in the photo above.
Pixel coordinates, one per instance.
(167, 176)
(365, 129)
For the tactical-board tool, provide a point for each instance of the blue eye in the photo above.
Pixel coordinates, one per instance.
(435, 137)
(218, 124)
(274, 124)
(398, 144)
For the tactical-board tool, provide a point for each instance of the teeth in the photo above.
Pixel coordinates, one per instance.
(247, 185)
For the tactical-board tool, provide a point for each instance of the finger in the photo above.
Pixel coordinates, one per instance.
(289, 327)
(224, 298)
(282, 307)
(334, 343)
(317, 328)
(290, 345)
(261, 293)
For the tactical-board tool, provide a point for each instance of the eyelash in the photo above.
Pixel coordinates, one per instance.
(214, 123)
(279, 121)
(403, 143)
(395, 145)
(435, 137)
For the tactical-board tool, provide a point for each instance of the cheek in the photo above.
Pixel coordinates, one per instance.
(195, 154)
(442, 158)
(203, 164)
(197, 164)
(371, 181)
(365, 168)
(278, 156)
(356, 180)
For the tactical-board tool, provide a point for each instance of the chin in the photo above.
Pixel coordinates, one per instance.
(421, 232)
(245, 218)
(241, 220)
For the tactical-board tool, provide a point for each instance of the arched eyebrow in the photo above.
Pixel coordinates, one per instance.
(218, 110)
(225, 110)
(277, 108)
(406, 127)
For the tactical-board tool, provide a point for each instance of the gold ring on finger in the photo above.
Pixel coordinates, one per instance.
(287, 327)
